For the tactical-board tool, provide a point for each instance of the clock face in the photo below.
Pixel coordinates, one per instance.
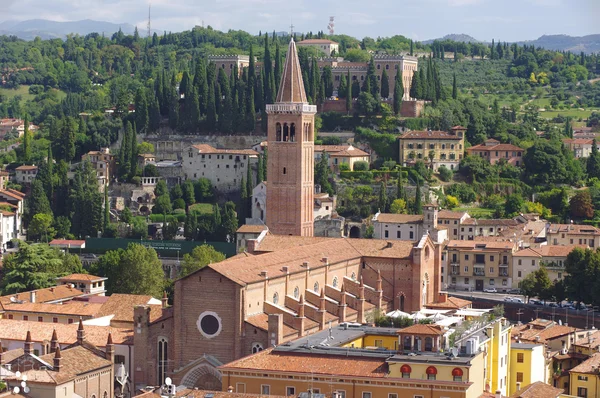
(209, 324)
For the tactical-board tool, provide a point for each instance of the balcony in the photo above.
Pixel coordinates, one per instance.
(479, 271)
(455, 271)
(503, 271)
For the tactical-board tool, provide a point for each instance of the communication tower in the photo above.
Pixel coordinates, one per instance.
(149, 24)
(331, 26)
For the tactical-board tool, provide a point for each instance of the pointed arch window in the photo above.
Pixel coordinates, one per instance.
(162, 358)
(278, 132)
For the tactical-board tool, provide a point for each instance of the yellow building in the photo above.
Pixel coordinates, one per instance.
(435, 148)
(585, 378)
(573, 234)
(527, 365)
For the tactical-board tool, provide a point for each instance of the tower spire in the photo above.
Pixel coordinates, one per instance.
(291, 88)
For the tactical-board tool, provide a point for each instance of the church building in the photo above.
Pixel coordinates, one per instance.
(288, 283)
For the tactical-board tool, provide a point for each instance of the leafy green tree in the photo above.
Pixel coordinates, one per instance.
(367, 104)
(415, 86)
(162, 205)
(514, 205)
(583, 273)
(593, 162)
(188, 193)
(260, 170)
(126, 216)
(161, 188)
(199, 258)
(445, 173)
(230, 221)
(135, 270)
(36, 267)
(40, 228)
(343, 86)
(62, 226)
(454, 88)
(176, 192)
(398, 206)
(322, 173)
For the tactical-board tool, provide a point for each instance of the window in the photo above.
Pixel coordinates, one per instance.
(275, 298)
(466, 268)
(457, 374)
(405, 369)
(532, 262)
(392, 395)
(340, 394)
(398, 234)
(379, 343)
(335, 281)
(519, 274)
(25, 318)
(120, 359)
(582, 392)
(492, 282)
(240, 387)
(265, 389)
(519, 377)
(290, 391)
(386, 234)
(296, 292)
(256, 347)
(54, 320)
(162, 359)
(284, 171)
(466, 257)
(10, 316)
(491, 257)
(582, 378)
(366, 395)
(491, 269)
(466, 281)
(520, 357)
(70, 320)
(411, 235)
(316, 287)
(431, 373)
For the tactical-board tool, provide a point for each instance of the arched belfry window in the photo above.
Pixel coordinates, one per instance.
(162, 358)
(286, 132)
(278, 132)
(293, 132)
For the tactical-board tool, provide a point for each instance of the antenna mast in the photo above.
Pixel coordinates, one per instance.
(331, 26)
(149, 24)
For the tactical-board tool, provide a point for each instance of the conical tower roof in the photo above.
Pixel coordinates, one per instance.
(291, 88)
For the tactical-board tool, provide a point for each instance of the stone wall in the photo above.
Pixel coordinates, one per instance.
(408, 108)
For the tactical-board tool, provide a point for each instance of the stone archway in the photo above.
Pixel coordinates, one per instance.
(203, 377)
(354, 232)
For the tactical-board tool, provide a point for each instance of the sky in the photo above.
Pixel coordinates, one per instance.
(505, 20)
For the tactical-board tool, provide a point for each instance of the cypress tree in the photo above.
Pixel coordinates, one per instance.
(265, 164)
(211, 109)
(315, 83)
(423, 87)
(268, 70)
(106, 209)
(201, 85)
(192, 108)
(385, 85)
(454, 88)
(173, 107)
(418, 209)
(327, 80)
(411, 48)
(260, 172)
(398, 93)
(154, 114)
(251, 66)
(249, 182)
(26, 141)
(278, 66)
(141, 110)
(250, 112)
(243, 201)
(185, 83)
(342, 87)
(134, 153)
(383, 198)
(415, 86)
(348, 94)
(400, 193)
(125, 151)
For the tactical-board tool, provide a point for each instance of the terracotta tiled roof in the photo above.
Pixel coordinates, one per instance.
(503, 222)
(341, 150)
(578, 141)
(75, 308)
(592, 340)
(66, 333)
(550, 333)
(261, 321)
(291, 88)
(15, 192)
(422, 329)
(251, 229)
(528, 252)
(44, 295)
(429, 135)
(9, 356)
(247, 270)
(317, 41)
(451, 303)
(573, 229)
(205, 148)
(399, 218)
(453, 215)
(587, 365)
(280, 242)
(11, 194)
(80, 277)
(122, 305)
(497, 147)
(7, 213)
(222, 394)
(480, 244)
(311, 364)
(24, 168)
(557, 250)
(74, 362)
(67, 242)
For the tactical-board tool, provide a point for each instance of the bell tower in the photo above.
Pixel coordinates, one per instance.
(290, 168)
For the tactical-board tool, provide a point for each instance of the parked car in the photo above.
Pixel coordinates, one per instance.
(515, 291)
(508, 299)
(490, 290)
(517, 300)
(554, 305)
(535, 301)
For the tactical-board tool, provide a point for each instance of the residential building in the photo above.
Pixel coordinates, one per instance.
(17, 125)
(338, 155)
(435, 148)
(581, 147)
(329, 47)
(381, 362)
(247, 232)
(483, 227)
(290, 136)
(573, 234)
(88, 284)
(478, 265)
(552, 257)
(584, 379)
(145, 159)
(527, 365)
(451, 220)
(25, 174)
(225, 168)
(446, 302)
(79, 369)
(259, 202)
(4, 177)
(282, 288)
(105, 165)
(229, 62)
(493, 151)
(409, 227)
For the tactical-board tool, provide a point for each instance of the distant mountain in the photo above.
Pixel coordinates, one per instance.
(46, 29)
(587, 44)
(459, 37)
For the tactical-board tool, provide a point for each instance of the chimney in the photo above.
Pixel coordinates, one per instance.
(251, 245)
(498, 394)
(518, 385)
(361, 302)
(322, 310)
(264, 274)
(230, 389)
(342, 306)
(379, 281)
(305, 265)
(32, 296)
(285, 269)
(54, 342)
(165, 300)
(80, 333)
(389, 245)
(299, 319)
(57, 358)
(325, 260)
(443, 297)
(28, 344)
(110, 349)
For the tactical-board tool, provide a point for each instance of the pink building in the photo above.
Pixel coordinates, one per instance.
(492, 151)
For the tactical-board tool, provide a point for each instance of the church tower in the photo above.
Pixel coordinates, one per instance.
(290, 168)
